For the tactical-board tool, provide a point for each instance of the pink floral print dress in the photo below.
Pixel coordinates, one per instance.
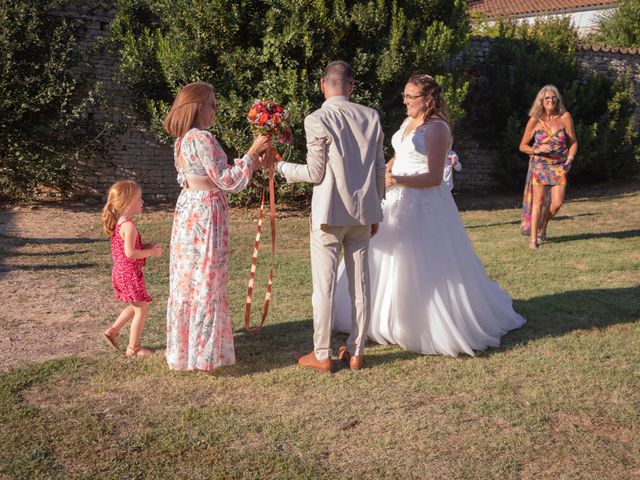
(199, 327)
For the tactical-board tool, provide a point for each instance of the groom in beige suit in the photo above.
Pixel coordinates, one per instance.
(345, 162)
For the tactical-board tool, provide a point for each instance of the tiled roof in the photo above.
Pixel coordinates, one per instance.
(493, 8)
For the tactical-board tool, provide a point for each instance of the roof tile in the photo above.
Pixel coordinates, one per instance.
(493, 8)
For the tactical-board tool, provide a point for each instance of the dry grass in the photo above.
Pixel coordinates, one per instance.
(560, 398)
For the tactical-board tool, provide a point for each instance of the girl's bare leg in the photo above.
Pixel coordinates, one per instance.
(123, 318)
(140, 310)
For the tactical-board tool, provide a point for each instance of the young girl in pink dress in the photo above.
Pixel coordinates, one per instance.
(129, 254)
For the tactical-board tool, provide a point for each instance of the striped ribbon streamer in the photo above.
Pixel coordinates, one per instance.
(271, 158)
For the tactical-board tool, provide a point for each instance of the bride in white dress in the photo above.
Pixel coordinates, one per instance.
(429, 291)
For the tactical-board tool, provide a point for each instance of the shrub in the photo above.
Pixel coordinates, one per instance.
(621, 27)
(41, 105)
(278, 50)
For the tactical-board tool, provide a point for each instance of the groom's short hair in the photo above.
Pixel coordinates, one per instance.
(338, 74)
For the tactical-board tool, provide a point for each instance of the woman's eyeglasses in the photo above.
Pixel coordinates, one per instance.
(553, 99)
(406, 96)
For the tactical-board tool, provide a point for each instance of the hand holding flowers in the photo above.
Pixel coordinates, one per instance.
(261, 145)
(268, 120)
(271, 119)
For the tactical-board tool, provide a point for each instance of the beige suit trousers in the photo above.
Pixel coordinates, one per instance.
(326, 243)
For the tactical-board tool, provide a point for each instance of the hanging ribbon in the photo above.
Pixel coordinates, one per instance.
(271, 158)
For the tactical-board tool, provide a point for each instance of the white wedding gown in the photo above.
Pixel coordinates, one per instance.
(429, 291)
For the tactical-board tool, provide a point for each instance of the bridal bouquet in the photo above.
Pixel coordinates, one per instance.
(271, 119)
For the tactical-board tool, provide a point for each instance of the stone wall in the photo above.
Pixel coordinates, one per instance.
(615, 62)
(137, 155)
(133, 153)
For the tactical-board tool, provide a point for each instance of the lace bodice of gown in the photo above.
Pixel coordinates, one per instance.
(411, 152)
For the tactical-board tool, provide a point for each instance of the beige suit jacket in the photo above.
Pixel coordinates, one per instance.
(345, 162)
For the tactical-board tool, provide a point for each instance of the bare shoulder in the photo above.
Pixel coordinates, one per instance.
(533, 122)
(566, 118)
(436, 128)
(127, 228)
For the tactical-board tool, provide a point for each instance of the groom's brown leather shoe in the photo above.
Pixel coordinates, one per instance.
(310, 361)
(355, 362)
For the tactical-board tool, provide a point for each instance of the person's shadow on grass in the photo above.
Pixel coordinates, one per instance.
(557, 314)
(276, 346)
(547, 316)
(593, 235)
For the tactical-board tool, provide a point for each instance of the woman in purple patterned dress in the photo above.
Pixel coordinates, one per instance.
(554, 147)
(199, 327)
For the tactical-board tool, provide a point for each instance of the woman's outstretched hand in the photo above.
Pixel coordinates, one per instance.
(260, 145)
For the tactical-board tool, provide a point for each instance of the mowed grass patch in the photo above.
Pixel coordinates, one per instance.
(559, 399)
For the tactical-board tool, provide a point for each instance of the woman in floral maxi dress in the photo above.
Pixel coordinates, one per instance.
(199, 327)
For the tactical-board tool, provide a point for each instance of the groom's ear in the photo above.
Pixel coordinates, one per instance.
(322, 85)
(351, 84)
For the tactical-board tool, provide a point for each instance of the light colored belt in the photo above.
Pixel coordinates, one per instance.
(198, 183)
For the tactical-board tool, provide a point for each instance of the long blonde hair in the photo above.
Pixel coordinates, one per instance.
(537, 108)
(186, 108)
(121, 194)
(430, 88)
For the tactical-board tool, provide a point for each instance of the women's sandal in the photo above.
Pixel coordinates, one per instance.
(112, 338)
(138, 351)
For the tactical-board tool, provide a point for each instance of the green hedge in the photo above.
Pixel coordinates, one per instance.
(278, 50)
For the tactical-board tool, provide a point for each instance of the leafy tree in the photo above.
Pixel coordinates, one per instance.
(621, 27)
(42, 108)
(278, 50)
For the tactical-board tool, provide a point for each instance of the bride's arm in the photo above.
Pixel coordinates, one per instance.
(437, 146)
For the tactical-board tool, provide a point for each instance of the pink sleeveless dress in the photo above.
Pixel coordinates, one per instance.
(126, 277)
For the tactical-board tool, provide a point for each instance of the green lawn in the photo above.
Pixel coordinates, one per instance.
(560, 399)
